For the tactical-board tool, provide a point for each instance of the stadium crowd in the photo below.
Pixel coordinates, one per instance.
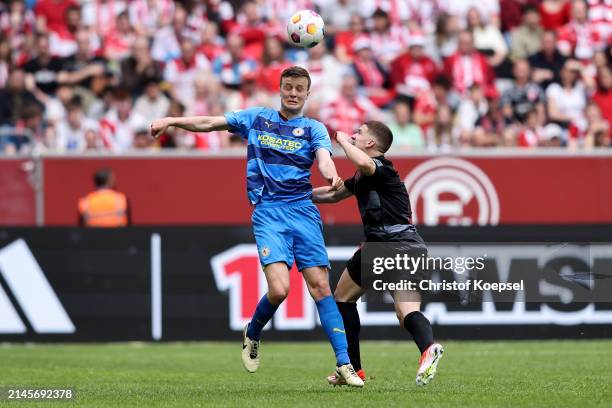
(92, 74)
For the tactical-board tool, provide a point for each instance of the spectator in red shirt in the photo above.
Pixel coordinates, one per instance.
(554, 13)
(211, 44)
(388, 40)
(273, 64)
(372, 77)
(428, 102)
(467, 67)
(349, 110)
(50, 14)
(345, 39)
(413, 72)
(597, 128)
(101, 15)
(600, 14)
(17, 23)
(252, 28)
(63, 41)
(147, 15)
(603, 95)
(119, 40)
(181, 72)
(119, 126)
(531, 134)
(579, 38)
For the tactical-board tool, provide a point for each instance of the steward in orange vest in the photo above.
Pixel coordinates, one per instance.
(104, 207)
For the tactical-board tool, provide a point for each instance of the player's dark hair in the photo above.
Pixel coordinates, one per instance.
(382, 133)
(102, 177)
(295, 72)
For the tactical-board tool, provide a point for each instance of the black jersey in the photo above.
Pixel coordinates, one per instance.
(383, 202)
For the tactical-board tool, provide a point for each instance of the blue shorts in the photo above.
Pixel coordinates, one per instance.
(289, 232)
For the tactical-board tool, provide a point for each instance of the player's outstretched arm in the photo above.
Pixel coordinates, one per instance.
(328, 195)
(364, 163)
(328, 168)
(191, 123)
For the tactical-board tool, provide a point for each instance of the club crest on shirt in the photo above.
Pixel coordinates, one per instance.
(265, 251)
(298, 132)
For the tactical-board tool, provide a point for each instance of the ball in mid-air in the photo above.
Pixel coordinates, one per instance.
(305, 29)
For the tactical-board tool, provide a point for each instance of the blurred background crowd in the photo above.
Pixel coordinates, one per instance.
(445, 74)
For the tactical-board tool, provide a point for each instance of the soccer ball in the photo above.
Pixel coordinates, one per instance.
(305, 29)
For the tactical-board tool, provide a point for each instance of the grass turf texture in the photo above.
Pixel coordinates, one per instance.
(471, 374)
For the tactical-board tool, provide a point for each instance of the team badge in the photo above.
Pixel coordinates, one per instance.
(265, 251)
(298, 132)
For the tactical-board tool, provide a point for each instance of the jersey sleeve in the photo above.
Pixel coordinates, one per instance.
(319, 137)
(350, 184)
(380, 169)
(240, 121)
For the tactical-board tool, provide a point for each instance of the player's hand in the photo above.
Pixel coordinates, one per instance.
(336, 183)
(159, 127)
(342, 137)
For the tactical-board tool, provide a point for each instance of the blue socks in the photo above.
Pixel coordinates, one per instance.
(263, 313)
(332, 323)
(331, 320)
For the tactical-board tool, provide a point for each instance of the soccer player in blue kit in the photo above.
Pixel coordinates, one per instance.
(282, 146)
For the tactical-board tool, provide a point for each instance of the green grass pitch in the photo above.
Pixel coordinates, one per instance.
(471, 374)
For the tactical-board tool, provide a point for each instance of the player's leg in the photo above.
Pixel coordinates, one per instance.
(317, 281)
(408, 311)
(277, 276)
(311, 259)
(273, 246)
(346, 294)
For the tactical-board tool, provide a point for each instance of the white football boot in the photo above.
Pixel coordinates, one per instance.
(334, 379)
(347, 373)
(250, 352)
(428, 364)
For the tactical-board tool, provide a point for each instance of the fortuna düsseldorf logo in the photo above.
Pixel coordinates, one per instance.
(452, 191)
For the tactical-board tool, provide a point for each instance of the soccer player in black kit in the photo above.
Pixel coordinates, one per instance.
(386, 215)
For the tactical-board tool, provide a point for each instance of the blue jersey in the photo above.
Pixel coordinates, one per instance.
(280, 153)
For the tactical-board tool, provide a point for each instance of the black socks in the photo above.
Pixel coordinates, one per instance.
(415, 322)
(420, 328)
(352, 326)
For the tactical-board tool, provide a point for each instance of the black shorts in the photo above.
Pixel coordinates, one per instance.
(413, 243)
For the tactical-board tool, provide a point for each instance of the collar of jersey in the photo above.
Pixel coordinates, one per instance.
(284, 119)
